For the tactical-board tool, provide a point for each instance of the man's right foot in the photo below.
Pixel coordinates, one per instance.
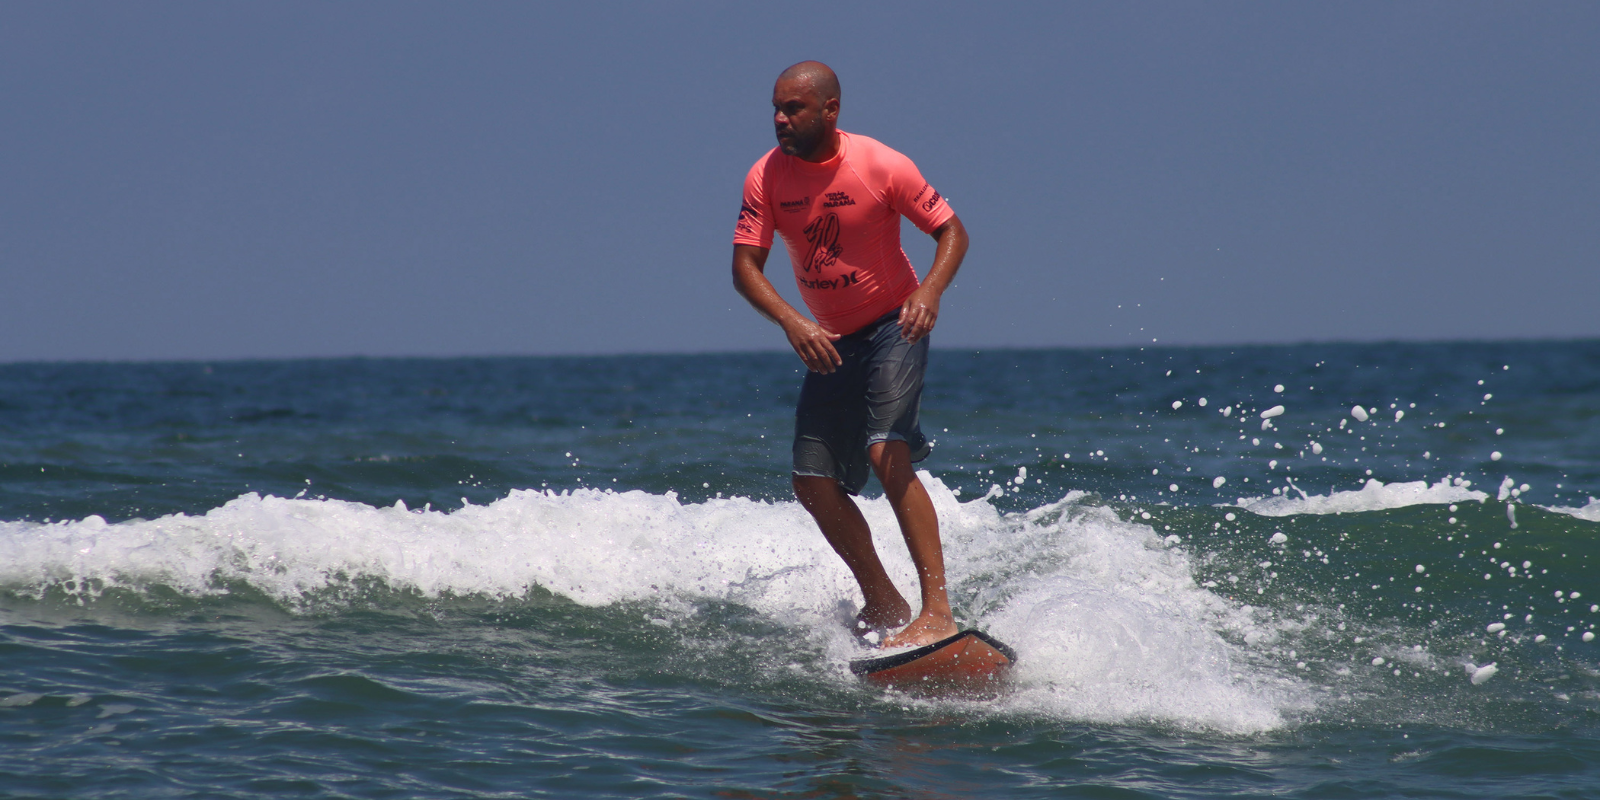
(926, 629)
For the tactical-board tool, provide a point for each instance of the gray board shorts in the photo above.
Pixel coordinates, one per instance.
(874, 396)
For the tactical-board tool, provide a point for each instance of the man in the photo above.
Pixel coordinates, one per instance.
(836, 198)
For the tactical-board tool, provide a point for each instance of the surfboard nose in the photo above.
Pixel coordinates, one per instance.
(969, 664)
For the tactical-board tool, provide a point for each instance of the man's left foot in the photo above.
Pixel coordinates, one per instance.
(925, 629)
(876, 620)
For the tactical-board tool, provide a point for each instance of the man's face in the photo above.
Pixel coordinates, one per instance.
(801, 117)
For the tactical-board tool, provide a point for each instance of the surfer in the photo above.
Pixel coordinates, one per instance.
(836, 198)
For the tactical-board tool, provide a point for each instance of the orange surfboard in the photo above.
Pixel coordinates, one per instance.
(969, 664)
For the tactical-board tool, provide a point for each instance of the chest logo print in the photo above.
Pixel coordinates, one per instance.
(823, 234)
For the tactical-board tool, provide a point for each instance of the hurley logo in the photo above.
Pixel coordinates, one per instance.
(837, 283)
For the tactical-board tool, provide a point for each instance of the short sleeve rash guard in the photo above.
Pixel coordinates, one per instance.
(840, 222)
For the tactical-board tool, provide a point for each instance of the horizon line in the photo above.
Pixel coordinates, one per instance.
(783, 351)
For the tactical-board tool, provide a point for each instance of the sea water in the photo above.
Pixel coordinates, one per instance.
(1317, 570)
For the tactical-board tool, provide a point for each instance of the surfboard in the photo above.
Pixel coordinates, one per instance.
(970, 664)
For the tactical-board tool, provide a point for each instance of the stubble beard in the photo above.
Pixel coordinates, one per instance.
(802, 143)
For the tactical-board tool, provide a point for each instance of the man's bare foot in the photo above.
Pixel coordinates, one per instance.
(880, 619)
(925, 629)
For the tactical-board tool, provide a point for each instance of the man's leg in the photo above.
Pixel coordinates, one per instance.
(841, 522)
(891, 460)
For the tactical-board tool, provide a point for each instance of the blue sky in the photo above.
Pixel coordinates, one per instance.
(205, 180)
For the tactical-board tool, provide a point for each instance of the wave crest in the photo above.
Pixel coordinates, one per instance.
(1106, 615)
(1375, 495)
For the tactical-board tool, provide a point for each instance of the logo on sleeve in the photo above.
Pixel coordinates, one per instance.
(747, 218)
(928, 204)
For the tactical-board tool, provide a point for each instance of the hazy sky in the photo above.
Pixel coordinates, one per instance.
(215, 180)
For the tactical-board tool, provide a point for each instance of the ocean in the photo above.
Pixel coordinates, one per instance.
(1341, 570)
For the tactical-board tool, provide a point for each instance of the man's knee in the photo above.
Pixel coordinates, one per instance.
(890, 458)
(809, 488)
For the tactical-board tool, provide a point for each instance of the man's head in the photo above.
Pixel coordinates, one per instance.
(805, 108)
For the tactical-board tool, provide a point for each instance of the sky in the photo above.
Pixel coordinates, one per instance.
(252, 180)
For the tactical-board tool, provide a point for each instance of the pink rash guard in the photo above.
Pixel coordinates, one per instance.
(840, 221)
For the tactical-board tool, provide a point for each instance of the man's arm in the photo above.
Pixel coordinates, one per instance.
(813, 344)
(921, 310)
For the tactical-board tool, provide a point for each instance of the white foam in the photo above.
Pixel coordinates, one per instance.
(1117, 630)
(1483, 673)
(593, 547)
(1106, 616)
(1589, 511)
(1374, 496)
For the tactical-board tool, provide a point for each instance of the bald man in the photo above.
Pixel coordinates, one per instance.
(836, 198)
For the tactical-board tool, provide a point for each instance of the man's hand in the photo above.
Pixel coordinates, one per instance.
(918, 313)
(814, 345)
(921, 310)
